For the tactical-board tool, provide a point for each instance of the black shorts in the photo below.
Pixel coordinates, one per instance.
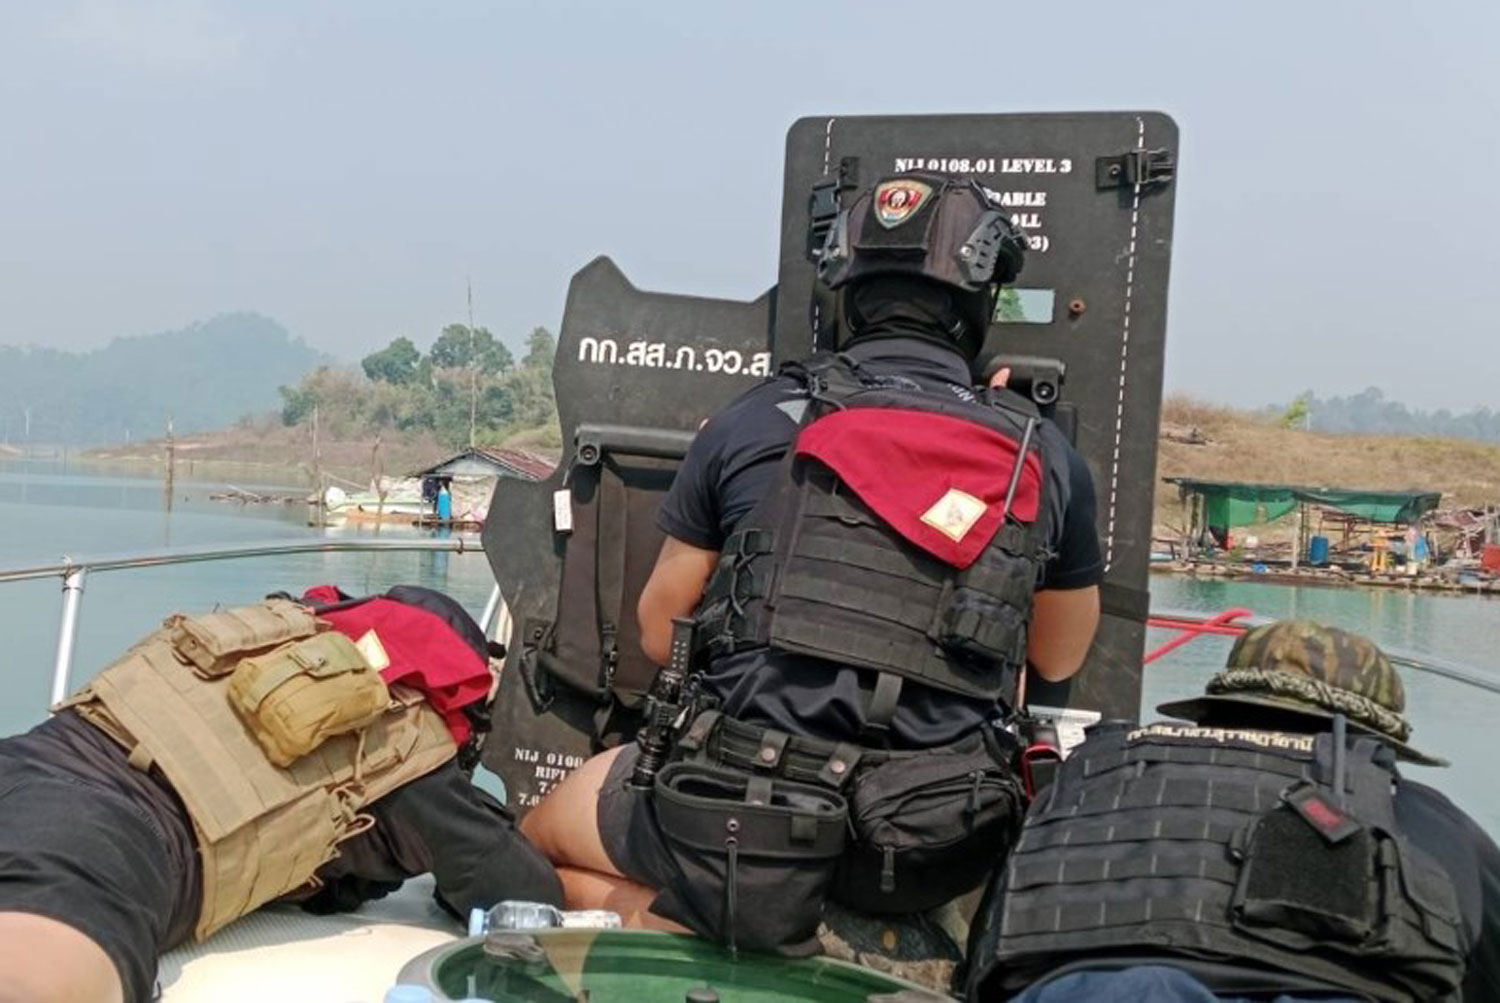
(628, 829)
(85, 855)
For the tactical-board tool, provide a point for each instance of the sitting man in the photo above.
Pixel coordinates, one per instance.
(202, 775)
(872, 552)
(1269, 850)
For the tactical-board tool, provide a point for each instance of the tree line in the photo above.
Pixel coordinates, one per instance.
(1370, 412)
(466, 374)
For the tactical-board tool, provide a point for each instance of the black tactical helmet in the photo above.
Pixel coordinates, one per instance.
(936, 226)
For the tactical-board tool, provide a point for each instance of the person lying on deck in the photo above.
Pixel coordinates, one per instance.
(235, 758)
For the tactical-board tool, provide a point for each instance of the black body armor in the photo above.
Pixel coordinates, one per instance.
(813, 570)
(1228, 853)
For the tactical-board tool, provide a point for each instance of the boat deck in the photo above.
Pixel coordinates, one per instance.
(284, 954)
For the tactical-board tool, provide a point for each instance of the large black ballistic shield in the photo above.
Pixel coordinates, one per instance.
(636, 373)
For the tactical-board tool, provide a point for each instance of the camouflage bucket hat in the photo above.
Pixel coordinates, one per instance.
(1307, 668)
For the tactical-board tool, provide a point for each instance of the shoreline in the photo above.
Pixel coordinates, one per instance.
(1311, 577)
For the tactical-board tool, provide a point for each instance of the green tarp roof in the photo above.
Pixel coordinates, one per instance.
(1236, 503)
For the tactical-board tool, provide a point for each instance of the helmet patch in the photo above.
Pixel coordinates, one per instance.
(897, 201)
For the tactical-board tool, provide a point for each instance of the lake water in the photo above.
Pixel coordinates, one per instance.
(49, 509)
(1449, 719)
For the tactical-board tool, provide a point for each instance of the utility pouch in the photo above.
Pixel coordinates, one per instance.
(1298, 886)
(305, 692)
(213, 643)
(976, 625)
(928, 826)
(986, 609)
(754, 855)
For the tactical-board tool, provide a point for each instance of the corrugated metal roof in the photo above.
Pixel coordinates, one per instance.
(504, 462)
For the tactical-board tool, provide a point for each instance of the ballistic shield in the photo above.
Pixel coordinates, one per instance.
(637, 372)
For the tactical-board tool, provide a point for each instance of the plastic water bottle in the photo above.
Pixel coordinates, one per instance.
(514, 915)
(408, 994)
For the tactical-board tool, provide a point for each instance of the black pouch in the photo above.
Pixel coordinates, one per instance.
(754, 856)
(978, 626)
(986, 612)
(1299, 887)
(928, 826)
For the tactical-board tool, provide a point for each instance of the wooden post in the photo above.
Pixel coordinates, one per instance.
(378, 481)
(1297, 536)
(171, 463)
(318, 519)
(1187, 521)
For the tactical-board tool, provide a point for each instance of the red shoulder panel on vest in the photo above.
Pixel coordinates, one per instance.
(938, 480)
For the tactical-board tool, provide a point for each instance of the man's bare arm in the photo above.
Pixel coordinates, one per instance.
(674, 588)
(1063, 622)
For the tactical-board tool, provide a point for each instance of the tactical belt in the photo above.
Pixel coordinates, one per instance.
(719, 739)
(712, 737)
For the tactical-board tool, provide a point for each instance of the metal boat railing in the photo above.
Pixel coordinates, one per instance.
(74, 573)
(1234, 622)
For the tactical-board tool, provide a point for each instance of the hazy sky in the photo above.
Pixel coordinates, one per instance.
(343, 166)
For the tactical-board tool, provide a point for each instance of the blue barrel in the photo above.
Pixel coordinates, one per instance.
(1317, 550)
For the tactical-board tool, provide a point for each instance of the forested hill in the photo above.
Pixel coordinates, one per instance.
(204, 376)
(1370, 412)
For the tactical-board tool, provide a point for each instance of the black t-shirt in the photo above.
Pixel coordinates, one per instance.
(439, 823)
(733, 463)
(1472, 861)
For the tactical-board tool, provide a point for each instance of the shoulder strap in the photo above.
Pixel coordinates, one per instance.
(609, 572)
(830, 378)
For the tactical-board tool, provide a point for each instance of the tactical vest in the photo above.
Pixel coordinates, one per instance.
(262, 831)
(1219, 847)
(813, 569)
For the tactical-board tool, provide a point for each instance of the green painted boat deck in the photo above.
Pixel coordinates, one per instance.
(634, 966)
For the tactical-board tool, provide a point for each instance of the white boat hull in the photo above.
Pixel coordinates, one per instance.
(284, 954)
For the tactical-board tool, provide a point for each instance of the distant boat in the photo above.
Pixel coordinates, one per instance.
(403, 505)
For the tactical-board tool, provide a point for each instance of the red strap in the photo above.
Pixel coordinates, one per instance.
(936, 479)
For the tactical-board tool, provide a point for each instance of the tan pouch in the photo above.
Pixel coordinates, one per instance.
(213, 643)
(297, 697)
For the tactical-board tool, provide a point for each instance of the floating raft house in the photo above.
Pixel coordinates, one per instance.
(1238, 503)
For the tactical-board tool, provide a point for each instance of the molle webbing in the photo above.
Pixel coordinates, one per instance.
(262, 831)
(1151, 840)
(215, 641)
(1100, 763)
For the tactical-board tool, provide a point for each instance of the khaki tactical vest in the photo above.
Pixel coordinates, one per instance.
(262, 830)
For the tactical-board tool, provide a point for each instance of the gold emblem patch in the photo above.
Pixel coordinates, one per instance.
(896, 201)
(369, 645)
(954, 514)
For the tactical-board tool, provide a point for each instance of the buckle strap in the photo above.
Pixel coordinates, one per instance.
(883, 702)
(750, 542)
(839, 766)
(758, 790)
(698, 733)
(772, 746)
